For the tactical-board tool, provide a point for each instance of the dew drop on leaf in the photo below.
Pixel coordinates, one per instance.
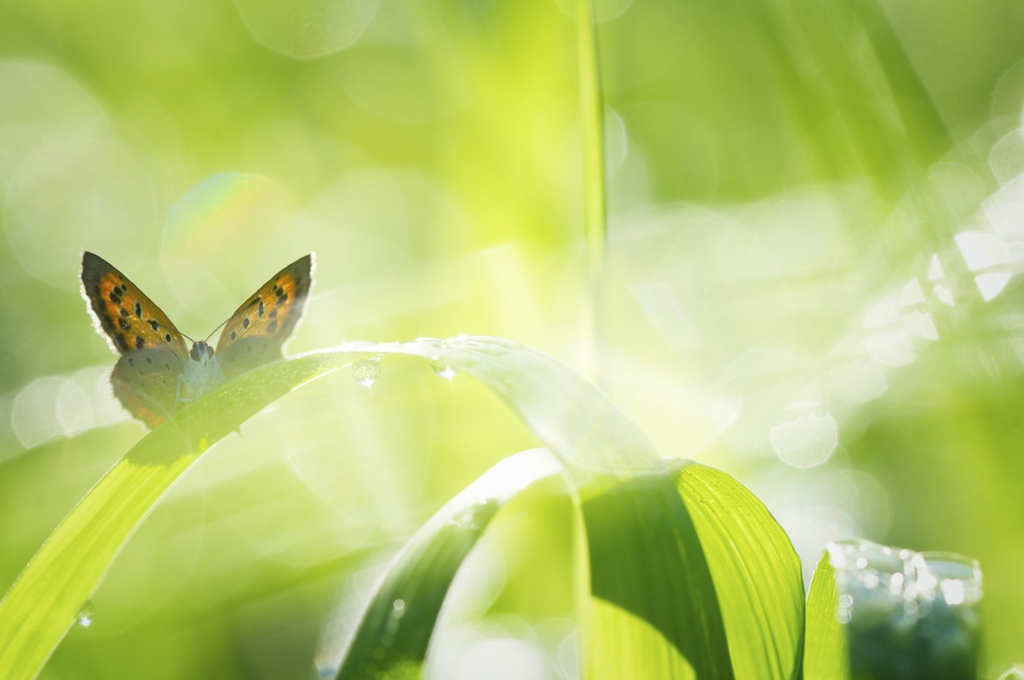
(438, 366)
(85, 615)
(366, 371)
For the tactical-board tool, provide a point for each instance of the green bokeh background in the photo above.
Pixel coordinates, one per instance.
(789, 188)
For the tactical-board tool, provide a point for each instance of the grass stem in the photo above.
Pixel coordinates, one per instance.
(595, 216)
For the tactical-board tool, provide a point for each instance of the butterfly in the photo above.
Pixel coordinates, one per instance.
(157, 373)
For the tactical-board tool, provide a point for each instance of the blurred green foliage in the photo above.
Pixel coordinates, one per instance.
(790, 185)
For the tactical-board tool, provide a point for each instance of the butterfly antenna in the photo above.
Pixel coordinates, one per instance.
(217, 329)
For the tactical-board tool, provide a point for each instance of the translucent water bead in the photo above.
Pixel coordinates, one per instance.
(366, 371)
(85, 615)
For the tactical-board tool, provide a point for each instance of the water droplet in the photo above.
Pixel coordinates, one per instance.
(366, 371)
(439, 367)
(85, 615)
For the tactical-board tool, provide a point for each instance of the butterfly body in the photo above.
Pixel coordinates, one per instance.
(202, 372)
(156, 375)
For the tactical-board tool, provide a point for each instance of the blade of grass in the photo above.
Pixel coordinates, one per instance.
(41, 606)
(595, 208)
(588, 433)
(592, 129)
(392, 638)
(825, 648)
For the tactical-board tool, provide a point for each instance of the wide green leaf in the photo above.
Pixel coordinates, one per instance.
(647, 565)
(755, 569)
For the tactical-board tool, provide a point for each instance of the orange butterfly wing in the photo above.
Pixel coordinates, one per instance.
(145, 379)
(128, 318)
(258, 329)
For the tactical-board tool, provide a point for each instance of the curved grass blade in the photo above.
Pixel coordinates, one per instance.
(588, 433)
(391, 640)
(826, 652)
(646, 560)
(41, 606)
(756, 572)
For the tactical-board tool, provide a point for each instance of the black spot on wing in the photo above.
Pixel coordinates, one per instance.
(139, 342)
(125, 312)
(138, 309)
(153, 324)
(245, 322)
(272, 326)
(125, 326)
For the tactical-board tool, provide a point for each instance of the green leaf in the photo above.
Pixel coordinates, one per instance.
(649, 572)
(392, 638)
(41, 606)
(755, 569)
(826, 653)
